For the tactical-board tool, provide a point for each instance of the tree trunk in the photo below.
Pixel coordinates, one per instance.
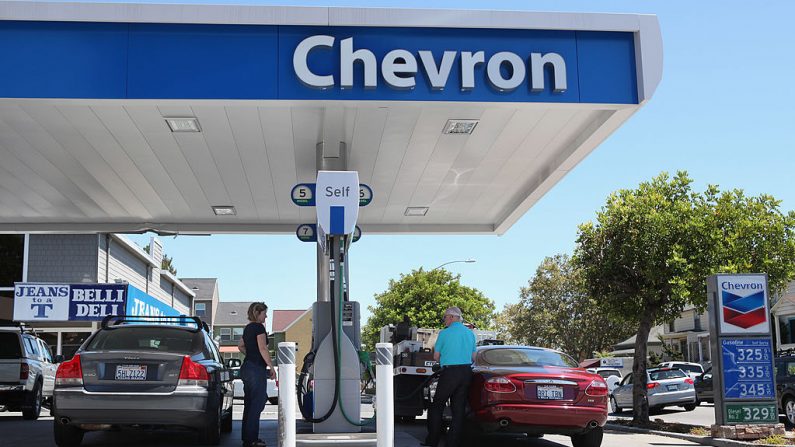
(640, 404)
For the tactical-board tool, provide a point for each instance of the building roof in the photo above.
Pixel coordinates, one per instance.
(203, 287)
(654, 333)
(231, 313)
(283, 318)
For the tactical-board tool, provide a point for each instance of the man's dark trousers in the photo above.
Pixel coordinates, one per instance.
(454, 386)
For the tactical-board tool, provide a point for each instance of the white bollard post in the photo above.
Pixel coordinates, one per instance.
(384, 395)
(285, 356)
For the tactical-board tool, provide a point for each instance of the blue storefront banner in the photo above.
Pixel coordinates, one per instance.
(83, 302)
(748, 369)
(182, 61)
(139, 304)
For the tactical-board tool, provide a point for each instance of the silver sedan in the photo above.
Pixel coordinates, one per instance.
(665, 387)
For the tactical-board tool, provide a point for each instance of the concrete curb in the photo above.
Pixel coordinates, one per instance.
(703, 440)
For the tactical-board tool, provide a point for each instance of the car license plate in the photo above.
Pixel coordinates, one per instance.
(131, 372)
(673, 388)
(549, 392)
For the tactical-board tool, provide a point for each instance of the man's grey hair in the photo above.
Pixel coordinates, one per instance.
(453, 311)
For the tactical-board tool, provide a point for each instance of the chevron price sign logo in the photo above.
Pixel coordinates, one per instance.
(743, 301)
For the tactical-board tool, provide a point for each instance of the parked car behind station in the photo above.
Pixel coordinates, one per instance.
(665, 387)
(691, 369)
(133, 373)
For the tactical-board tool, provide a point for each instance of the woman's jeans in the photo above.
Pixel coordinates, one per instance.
(255, 388)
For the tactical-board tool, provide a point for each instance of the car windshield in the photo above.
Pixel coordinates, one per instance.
(527, 357)
(605, 373)
(664, 374)
(9, 346)
(146, 338)
(689, 368)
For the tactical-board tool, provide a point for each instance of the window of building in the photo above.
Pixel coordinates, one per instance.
(237, 333)
(671, 327)
(12, 256)
(226, 334)
(201, 309)
(697, 322)
(785, 326)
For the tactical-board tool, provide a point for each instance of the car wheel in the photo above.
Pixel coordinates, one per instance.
(591, 438)
(211, 433)
(789, 409)
(614, 406)
(32, 408)
(66, 435)
(273, 400)
(691, 407)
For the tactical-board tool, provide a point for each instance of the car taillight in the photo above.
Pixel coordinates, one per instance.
(652, 385)
(499, 385)
(193, 373)
(24, 371)
(69, 373)
(597, 388)
(689, 381)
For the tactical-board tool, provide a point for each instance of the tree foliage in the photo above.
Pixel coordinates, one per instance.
(555, 311)
(423, 296)
(651, 249)
(167, 263)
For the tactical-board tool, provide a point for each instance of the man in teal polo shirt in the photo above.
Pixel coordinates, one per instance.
(455, 352)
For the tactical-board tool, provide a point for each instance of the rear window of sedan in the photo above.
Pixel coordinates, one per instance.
(527, 357)
(9, 345)
(667, 374)
(132, 338)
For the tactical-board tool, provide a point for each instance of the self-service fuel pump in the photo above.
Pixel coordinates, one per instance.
(331, 400)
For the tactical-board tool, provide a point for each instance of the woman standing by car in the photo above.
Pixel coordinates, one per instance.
(254, 372)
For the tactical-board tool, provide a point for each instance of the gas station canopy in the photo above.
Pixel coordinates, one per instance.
(132, 117)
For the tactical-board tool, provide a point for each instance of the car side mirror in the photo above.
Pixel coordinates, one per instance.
(233, 363)
(57, 359)
(707, 376)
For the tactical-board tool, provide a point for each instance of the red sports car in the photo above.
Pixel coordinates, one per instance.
(521, 389)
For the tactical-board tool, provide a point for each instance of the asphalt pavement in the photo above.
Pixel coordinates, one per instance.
(702, 415)
(17, 432)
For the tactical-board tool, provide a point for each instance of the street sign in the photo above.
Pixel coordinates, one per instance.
(306, 232)
(748, 369)
(365, 195)
(303, 194)
(611, 362)
(751, 414)
(337, 201)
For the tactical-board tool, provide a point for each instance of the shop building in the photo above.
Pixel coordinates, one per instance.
(62, 285)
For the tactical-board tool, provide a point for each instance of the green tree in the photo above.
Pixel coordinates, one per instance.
(555, 311)
(423, 296)
(651, 249)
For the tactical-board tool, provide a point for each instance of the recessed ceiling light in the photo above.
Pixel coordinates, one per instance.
(183, 124)
(416, 211)
(224, 210)
(460, 127)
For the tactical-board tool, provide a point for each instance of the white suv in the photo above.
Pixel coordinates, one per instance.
(27, 371)
(691, 369)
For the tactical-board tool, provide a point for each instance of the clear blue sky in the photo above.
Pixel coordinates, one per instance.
(723, 112)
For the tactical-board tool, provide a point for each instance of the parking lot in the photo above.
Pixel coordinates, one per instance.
(18, 432)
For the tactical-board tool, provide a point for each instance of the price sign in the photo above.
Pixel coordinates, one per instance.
(306, 232)
(365, 195)
(748, 369)
(303, 194)
(751, 413)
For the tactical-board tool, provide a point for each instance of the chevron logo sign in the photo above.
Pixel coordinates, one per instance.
(744, 311)
(743, 302)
